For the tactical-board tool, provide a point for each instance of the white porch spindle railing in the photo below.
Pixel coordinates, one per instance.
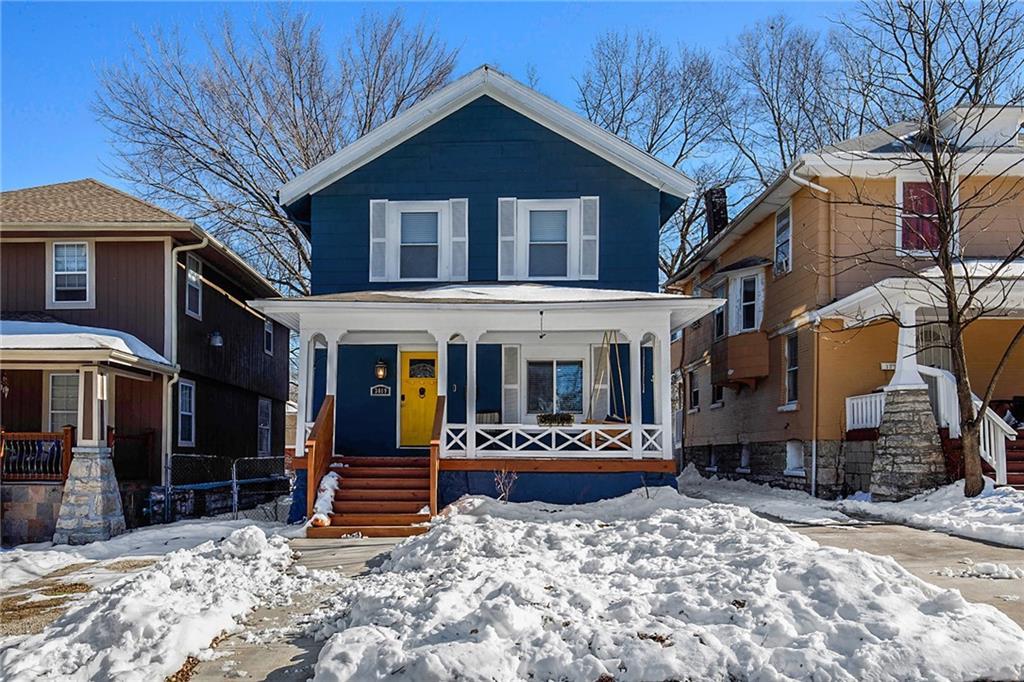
(578, 440)
(865, 412)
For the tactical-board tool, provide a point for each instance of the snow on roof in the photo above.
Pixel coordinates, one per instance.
(502, 294)
(61, 336)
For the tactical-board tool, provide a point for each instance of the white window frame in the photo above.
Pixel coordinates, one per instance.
(914, 177)
(788, 210)
(193, 264)
(51, 275)
(395, 209)
(268, 337)
(268, 429)
(794, 451)
(190, 414)
(792, 366)
(48, 398)
(741, 304)
(692, 391)
(573, 235)
(718, 317)
(555, 361)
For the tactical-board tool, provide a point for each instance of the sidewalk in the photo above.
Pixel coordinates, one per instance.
(272, 646)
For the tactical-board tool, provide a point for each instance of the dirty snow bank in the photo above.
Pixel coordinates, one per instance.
(649, 589)
(28, 562)
(144, 626)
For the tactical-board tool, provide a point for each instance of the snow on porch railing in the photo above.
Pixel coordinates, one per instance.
(864, 411)
(578, 440)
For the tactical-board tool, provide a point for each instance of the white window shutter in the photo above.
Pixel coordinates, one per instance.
(590, 216)
(510, 385)
(759, 300)
(459, 212)
(378, 240)
(506, 238)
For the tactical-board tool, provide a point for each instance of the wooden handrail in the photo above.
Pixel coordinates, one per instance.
(65, 436)
(319, 451)
(435, 451)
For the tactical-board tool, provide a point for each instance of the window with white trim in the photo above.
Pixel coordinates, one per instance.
(548, 251)
(263, 419)
(186, 413)
(719, 314)
(918, 218)
(548, 239)
(554, 386)
(63, 401)
(792, 369)
(691, 380)
(418, 244)
(71, 275)
(783, 241)
(748, 303)
(268, 337)
(193, 287)
(419, 241)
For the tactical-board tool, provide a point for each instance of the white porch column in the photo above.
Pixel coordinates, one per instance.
(663, 380)
(333, 343)
(441, 336)
(635, 385)
(906, 375)
(302, 399)
(92, 406)
(471, 395)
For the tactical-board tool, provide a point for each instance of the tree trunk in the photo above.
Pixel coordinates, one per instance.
(970, 441)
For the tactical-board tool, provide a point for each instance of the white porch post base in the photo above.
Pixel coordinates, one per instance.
(906, 375)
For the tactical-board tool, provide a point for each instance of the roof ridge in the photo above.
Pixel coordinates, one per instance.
(116, 190)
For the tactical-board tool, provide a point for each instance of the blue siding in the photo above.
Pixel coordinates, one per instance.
(364, 424)
(484, 151)
(570, 488)
(488, 372)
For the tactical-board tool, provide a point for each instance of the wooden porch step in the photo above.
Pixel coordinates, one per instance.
(366, 531)
(377, 507)
(387, 483)
(356, 461)
(1014, 478)
(384, 472)
(1014, 465)
(344, 493)
(378, 519)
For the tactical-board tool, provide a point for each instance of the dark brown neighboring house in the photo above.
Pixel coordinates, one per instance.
(105, 297)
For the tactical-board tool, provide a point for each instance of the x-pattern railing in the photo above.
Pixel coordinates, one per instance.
(529, 439)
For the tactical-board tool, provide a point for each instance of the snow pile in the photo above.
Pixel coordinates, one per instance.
(142, 627)
(789, 505)
(983, 569)
(28, 562)
(324, 504)
(649, 589)
(996, 515)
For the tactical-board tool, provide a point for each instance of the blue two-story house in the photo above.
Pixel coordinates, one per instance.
(485, 280)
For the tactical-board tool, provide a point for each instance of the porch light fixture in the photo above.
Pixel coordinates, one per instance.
(216, 340)
(380, 370)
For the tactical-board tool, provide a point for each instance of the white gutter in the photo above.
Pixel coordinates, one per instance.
(174, 349)
(804, 182)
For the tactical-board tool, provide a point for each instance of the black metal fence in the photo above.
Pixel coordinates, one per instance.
(256, 488)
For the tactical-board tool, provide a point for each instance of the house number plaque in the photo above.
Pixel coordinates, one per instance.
(380, 391)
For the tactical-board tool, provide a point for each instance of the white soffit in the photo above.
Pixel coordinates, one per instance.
(486, 81)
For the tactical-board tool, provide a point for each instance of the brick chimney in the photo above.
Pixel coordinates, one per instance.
(716, 209)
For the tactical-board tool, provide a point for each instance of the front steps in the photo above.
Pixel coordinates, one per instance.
(379, 497)
(1015, 461)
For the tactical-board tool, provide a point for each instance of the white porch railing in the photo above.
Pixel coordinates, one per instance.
(865, 412)
(577, 440)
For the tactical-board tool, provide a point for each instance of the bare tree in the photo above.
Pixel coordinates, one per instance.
(960, 67)
(214, 137)
(662, 101)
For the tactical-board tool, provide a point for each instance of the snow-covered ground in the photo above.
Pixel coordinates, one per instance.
(638, 588)
(142, 626)
(997, 515)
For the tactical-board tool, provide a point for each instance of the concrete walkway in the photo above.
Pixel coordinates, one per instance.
(272, 647)
(924, 553)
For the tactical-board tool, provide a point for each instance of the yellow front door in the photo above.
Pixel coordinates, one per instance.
(419, 395)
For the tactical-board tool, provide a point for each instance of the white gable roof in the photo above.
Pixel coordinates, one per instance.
(487, 81)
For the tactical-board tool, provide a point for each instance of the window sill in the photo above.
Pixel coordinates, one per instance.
(789, 407)
(70, 305)
(194, 316)
(693, 410)
(717, 406)
(742, 470)
(795, 473)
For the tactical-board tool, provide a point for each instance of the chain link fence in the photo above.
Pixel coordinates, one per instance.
(202, 486)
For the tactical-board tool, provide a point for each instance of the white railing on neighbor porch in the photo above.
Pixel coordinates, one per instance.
(577, 440)
(865, 412)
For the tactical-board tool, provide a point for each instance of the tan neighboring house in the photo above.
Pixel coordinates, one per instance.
(790, 381)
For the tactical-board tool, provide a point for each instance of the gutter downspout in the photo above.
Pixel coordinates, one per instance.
(814, 408)
(804, 182)
(174, 349)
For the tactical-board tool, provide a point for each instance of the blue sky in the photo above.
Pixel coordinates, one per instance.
(51, 53)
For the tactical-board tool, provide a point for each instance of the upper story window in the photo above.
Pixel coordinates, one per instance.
(694, 398)
(419, 241)
(917, 227)
(263, 419)
(193, 287)
(792, 369)
(548, 239)
(186, 413)
(783, 241)
(71, 277)
(748, 303)
(268, 337)
(719, 314)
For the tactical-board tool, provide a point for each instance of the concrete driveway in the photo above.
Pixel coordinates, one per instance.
(925, 553)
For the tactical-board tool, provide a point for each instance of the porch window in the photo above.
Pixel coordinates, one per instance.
(193, 287)
(63, 401)
(554, 386)
(918, 221)
(783, 242)
(719, 312)
(70, 272)
(549, 244)
(748, 303)
(691, 379)
(792, 370)
(418, 250)
(268, 337)
(263, 428)
(186, 413)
